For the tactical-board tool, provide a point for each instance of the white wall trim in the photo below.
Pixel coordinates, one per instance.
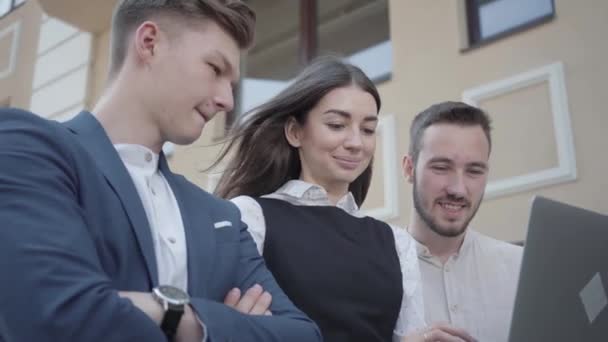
(390, 182)
(15, 29)
(61, 70)
(67, 113)
(564, 142)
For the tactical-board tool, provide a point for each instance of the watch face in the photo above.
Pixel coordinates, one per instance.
(173, 295)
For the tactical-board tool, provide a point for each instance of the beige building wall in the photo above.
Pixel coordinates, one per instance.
(543, 87)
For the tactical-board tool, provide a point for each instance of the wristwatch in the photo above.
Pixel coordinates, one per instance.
(173, 301)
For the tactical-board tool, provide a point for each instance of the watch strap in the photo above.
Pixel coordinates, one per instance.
(171, 320)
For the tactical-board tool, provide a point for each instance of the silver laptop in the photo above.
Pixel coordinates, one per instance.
(562, 294)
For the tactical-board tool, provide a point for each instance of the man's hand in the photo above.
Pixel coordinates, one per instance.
(255, 301)
(189, 328)
(440, 332)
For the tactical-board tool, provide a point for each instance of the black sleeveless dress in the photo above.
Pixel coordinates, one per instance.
(342, 271)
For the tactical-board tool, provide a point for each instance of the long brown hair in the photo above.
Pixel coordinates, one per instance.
(263, 159)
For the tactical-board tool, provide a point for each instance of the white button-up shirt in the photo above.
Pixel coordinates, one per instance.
(475, 289)
(162, 211)
(411, 314)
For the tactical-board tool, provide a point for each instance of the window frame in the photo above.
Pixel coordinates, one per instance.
(13, 6)
(473, 24)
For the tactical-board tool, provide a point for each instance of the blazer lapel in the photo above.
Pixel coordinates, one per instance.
(95, 140)
(198, 229)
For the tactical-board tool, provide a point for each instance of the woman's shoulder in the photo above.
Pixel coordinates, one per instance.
(243, 201)
(403, 240)
(248, 206)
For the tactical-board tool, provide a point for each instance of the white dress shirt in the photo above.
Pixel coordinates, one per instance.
(163, 214)
(411, 314)
(475, 289)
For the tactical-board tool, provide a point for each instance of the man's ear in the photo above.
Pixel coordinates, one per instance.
(292, 132)
(407, 164)
(145, 41)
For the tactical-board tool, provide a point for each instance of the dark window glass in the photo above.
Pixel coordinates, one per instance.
(492, 19)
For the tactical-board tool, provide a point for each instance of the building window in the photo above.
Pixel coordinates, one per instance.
(291, 33)
(6, 6)
(489, 20)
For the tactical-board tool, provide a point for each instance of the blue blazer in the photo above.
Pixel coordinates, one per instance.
(73, 232)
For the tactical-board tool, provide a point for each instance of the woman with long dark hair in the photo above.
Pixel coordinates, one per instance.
(299, 169)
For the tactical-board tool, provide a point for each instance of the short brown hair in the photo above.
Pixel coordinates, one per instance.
(234, 16)
(456, 113)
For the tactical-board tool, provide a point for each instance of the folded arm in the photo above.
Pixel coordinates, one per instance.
(53, 287)
(286, 323)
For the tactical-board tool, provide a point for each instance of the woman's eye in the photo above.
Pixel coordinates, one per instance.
(335, 126)
(215, 68)
(369, 131)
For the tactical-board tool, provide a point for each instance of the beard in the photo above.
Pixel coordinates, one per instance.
(430, 221)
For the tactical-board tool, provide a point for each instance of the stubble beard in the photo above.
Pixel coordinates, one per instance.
(428, 219)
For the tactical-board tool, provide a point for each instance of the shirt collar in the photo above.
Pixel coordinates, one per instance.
(469, 237)
(304, 191)
(138, 156)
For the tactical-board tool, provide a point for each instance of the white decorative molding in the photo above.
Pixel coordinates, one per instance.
(15, 30)
(566, 170)
(390, 182)
(61, 71)
(68, 113)
(61, 94)
(65, 58)
(53, 32)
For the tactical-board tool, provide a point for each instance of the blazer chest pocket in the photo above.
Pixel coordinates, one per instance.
(226, 234)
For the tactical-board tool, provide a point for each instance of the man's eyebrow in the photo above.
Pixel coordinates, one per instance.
(481, 165)
(446, 160)
(441, 160)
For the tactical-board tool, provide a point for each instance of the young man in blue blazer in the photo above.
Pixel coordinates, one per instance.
(99, 240)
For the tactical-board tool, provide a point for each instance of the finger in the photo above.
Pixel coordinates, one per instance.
(232, 298)
(262, 304)
(451, 330)
(249, 298)
(437, 335)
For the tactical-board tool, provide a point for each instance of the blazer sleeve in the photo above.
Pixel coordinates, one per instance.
(53, 287)
(287, 323)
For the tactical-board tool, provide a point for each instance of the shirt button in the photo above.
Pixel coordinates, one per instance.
(447, 269)
(148, 157)
(152, 191)
(172, 240)
(454, 308)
